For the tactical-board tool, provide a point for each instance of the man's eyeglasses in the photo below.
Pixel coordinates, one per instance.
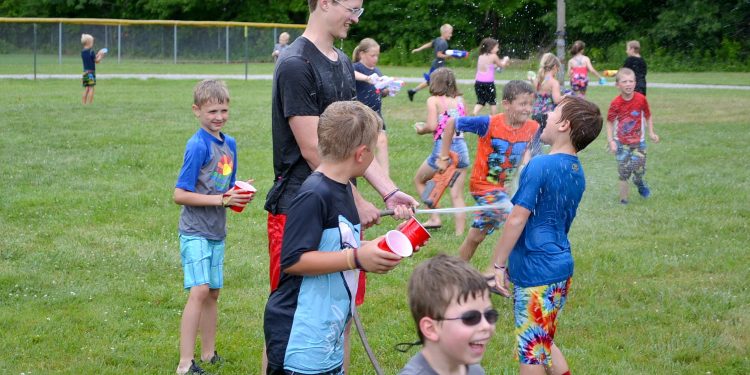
(473, 317)
(356, 12)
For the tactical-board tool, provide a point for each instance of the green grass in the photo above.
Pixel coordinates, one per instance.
(90, 277)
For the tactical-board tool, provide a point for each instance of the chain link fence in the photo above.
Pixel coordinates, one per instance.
(43, 42)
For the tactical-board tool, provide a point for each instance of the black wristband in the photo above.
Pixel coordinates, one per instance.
(396, 190)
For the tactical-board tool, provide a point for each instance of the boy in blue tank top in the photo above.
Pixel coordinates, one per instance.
(534, 252)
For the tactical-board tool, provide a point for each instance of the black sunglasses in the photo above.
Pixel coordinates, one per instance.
(473, 317)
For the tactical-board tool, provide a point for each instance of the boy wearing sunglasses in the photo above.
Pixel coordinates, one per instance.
(534, 243)
(451, 306)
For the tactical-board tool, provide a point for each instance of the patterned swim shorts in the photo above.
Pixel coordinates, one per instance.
(536, 309)
(490, 220)
(88, 79)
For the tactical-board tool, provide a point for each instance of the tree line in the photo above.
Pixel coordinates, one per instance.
(684, 35)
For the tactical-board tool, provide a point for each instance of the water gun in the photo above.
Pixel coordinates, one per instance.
(602, 81)
(435, 187)
(457, 53)
(609, 73)
(392, 85)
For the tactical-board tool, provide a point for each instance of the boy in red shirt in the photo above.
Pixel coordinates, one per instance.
(627, 115)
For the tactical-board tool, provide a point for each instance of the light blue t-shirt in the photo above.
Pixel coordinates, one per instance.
(551, 187)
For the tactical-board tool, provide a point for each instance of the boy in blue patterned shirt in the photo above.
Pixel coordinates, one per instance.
(204, 189)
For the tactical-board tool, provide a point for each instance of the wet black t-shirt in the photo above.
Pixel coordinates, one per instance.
(305, 82)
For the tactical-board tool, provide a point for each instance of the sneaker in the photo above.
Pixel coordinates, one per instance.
(216, 359)
(195, 369)
(411, 94)
(623, 201)
(644, 191)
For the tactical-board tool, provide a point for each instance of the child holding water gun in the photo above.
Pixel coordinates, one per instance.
(90, 59)
(365, 58)
(440, 45)
(579, 67)
(445, 103)
(484, 84)
(548, 94)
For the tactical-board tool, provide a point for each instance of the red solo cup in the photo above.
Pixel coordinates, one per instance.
(397, 243)
(244, 186)
(415, 232)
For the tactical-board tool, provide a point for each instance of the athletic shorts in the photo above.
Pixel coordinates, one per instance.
(202, 262)
(486, 93)
(275, 228)
(88, 79)
(536, 310)
(490, 220)
(458, 146)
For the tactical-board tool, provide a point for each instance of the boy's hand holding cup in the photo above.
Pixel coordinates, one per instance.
(374, 259)
(239, 196)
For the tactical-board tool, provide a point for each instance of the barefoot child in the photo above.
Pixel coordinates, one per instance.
(446, 102)
(579, 67)
(90, 59)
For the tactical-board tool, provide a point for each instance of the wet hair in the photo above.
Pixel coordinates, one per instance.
(344, 126)
(548, 62)
(585, 120)
(86, 38)
(635, 46)
(443, 82)
(577, 47)
(487, 45)
(624, 72)
(437, 282)
(210, 91)
(364, 45)
(516, 88)
(312, 4)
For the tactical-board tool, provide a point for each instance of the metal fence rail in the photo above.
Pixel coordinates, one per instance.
(58, 40)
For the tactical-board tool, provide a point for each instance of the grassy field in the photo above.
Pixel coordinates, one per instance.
(90, 276)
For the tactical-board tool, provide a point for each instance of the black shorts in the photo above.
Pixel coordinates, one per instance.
(486, 93)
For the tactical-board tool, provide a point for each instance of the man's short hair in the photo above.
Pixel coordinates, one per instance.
(437, 282)
(210, 91)
(516, 88)
(344, 126)
(585, 120)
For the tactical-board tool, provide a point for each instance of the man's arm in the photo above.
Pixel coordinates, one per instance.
(305, 130)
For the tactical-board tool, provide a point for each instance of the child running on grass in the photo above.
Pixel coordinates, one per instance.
(534, 251)
(439, 45)
(484, 84)
(451, 306)
(444, 103)
(625, 134)
(502, 148)
(321, 253)
(579, 67)
(204, 190)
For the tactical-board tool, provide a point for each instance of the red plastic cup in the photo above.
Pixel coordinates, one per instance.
(244, 186)
(415, 232)
(397, 243)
